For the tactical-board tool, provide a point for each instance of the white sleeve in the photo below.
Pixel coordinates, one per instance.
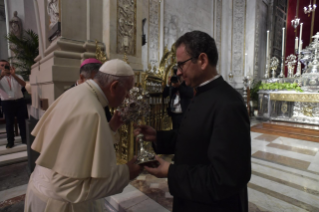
(80, 190)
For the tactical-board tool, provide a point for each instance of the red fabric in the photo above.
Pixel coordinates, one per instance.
(306, 28)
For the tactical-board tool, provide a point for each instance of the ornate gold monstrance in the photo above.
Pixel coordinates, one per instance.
(153, 80)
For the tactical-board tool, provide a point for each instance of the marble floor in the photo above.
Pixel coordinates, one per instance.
(285, 177)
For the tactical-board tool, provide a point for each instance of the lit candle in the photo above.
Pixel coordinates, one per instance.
(283, 42)
(296, 43)
(267, 47)
(300, 45)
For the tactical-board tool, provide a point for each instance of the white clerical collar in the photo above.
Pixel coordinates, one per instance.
(208, 81)
(100, 90)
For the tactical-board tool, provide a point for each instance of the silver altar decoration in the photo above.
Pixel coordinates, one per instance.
(289, 106)
(298, 72)
(306, 56)
(282, 68)
(294, 106)
(274, 62)
(134, 109)
(310, 78)
(291, 62)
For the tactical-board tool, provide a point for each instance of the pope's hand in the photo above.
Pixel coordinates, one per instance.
(148, 132)
(116, 121)
(134, 168)
(161, 171)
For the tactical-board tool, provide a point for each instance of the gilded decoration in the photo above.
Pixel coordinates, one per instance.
(99, 54)
(284, 107)
(307, 111)
(293, 97)
(166, 64)
(126, 27)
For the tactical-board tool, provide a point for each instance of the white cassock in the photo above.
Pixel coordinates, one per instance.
(77, 162)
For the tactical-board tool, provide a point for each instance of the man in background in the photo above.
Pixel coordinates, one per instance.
(12, 101)
(180, 97)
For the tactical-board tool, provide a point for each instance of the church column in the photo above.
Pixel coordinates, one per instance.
(250, 35)
(122, 30)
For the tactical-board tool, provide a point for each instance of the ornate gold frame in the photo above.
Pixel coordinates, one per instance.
(295, 97)
(127, 146)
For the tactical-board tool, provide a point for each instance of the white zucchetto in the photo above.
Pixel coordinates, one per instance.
(117, 67)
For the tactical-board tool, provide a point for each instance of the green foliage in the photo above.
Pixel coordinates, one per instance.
(25, 50)
(254, 90)
(280, 86)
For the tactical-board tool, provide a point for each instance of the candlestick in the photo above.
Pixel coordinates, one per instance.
(281, 75)
(283, 42)
(267, 47)
(300, 37)
(267, 57)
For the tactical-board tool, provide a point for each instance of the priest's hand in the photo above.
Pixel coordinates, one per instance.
(116, 121)
(134, 168)
(162, 170)
(148, 132)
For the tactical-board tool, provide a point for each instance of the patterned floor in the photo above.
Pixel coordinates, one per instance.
(285, 177)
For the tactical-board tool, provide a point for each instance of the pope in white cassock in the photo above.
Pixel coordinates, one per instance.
(77, 162)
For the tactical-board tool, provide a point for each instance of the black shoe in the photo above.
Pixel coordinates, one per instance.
(9, 145)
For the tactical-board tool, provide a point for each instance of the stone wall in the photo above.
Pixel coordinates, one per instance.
(181, 16)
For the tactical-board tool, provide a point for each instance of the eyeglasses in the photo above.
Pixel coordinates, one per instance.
(181, 64)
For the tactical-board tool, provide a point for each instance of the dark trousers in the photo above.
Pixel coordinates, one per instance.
(12, 109)
(176, 119)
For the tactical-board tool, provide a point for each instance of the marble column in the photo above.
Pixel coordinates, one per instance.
(58, 66)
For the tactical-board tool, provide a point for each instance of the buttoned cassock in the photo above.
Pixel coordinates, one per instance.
(212, 152)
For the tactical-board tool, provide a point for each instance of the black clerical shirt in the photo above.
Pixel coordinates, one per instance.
(212, 152)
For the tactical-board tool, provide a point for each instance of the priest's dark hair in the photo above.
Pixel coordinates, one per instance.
(197, 42)
(87, 69)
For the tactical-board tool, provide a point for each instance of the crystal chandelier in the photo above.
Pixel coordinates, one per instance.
(310, 9)
(295, 22)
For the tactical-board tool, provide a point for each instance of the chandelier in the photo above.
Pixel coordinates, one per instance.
(295, 22)
(309, 9)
